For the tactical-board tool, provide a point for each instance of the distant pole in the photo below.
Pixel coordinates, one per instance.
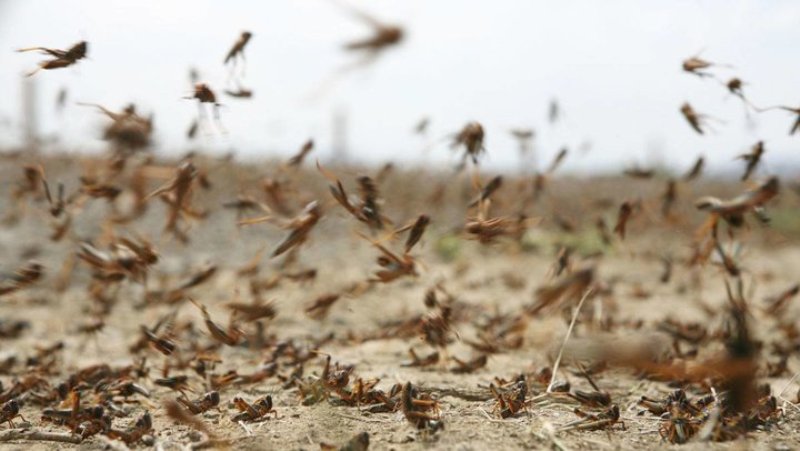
(339, 137)
(30, 115)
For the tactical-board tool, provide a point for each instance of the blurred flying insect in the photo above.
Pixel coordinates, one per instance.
(602, 230)
(666, 273)
(359, 442)
(568, 289)
(367, 208)
(237, 51)
(383, 36)
(553, 111)
(493, 185)
(191, 132)
(204, 95)
(318, 309)
(776, 305)
(417, 230)
(230, 337)
(694, 118)
(557, 160)
(160, 337)
(734, 86)
(297, 160)
(637, 172)
(394, 266)
(752, 159)
(254, 311)
(61, 99)
(471, 137)
(624, 214)
(240, 93)
(794, 110)
(696, 65)
(300, 227)
(417, 361)
(422, 126)
(465, 367)
(177, 195)
(696, 169)
(178, 413)
(487, 229)
(370, 48)
(128, 131)
(61, 58)
(733, 211)
(668, 198)
(24, 276)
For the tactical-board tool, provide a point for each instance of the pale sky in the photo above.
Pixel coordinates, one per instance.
(614, 67)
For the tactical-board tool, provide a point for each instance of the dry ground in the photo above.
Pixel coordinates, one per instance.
(476, 275)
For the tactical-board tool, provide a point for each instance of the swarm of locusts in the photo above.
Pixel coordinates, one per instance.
(203, 302)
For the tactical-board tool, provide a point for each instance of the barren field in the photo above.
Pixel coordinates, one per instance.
(495, 307)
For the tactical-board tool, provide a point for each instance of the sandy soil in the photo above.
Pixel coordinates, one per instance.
(499, 278)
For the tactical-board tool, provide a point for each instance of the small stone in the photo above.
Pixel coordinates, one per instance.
(195, 436)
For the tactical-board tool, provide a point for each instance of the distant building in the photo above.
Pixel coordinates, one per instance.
(30, 113)
(339, 137)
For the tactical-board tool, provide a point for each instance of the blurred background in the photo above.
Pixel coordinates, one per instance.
(613, 68)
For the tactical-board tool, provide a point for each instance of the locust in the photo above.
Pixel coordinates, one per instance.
(367, 209)
(297, 160)
(594, 421)
(471, 137)
(568, 288)
(142, 426)
(694, 118)
(206, 402)
(319, 308)
(205, 96)
(257, 411)
(510, 403)
(463, 367)
(752, 159)
(696, 169)
(230, 337)
(394, 266)
(23, 277)
(239, 93)
(416, 361)
(237, 50)
(422, 126)
(423, 414)
(668, 197)
(732, 211)
(384, 36)
(128, 130)
(61, 58)
(696, 66)
(177, 195)
(300, 227)
(623, 215)
(9, 411)
(794, 110)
